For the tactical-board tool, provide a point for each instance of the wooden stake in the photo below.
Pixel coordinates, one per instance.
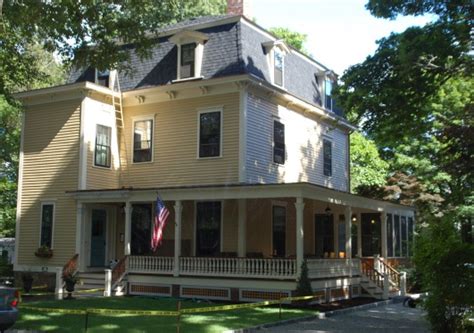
(178, 318)
(87, 321)
(279, 314)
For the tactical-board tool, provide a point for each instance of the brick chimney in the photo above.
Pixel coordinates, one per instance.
(239, 7)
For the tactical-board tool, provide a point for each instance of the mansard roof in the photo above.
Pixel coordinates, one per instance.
(234, 46)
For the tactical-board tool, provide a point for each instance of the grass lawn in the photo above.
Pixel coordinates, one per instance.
(195, 323)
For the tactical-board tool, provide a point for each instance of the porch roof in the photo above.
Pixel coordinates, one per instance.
(238, 191)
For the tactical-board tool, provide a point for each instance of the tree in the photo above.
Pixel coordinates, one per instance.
(88, 33)
(292, 38)
(368, 170)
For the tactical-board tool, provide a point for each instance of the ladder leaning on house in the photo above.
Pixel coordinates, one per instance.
(117, 103)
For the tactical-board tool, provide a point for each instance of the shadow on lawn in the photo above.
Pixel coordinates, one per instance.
(196, 323)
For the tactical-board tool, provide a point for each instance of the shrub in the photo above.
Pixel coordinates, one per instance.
(303, 287)
(446, 266)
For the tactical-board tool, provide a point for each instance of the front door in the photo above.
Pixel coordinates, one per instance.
(98, 240)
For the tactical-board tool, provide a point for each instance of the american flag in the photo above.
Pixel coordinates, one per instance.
(161, 216)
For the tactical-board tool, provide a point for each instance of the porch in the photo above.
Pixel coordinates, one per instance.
(256, 236)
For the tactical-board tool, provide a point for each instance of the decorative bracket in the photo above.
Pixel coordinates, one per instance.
(140, 99)
(204, 90)
(171, 94)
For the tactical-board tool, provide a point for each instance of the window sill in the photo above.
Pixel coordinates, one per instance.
(101, 167)
(209, 158)
(139, 163)
(194, 78)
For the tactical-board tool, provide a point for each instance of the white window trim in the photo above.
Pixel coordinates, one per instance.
(282, 204)
(186, 37)
(44, 203)
(221, 226)
(270, 51)
(210, 110)
(101, 167)
(143, 118)
(279, 165)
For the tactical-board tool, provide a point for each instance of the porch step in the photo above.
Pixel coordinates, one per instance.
(91, 280)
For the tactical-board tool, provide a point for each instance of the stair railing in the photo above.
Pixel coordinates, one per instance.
(118, 272)
(367, 268)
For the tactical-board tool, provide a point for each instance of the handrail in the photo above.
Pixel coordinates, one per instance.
(367, 267)
(119, 270)
(394, 275)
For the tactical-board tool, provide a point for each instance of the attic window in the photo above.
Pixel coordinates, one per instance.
(187, 60)
(190, 53)
(103, 78)
(276, 51)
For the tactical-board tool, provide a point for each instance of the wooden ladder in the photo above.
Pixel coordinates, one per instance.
(117, 103)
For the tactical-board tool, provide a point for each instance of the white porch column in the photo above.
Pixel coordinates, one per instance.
(359, 235)
(384, 234)
(128, 228)
(242, 228)
(348, 224)
(299, 204)
(178, 210)
(79, 233)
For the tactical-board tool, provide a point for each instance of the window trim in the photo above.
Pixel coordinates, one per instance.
(210, 110)
(269, 48)
(221, 226)
(109, 77)
(325, 139)
(284, 205)
(95, 147)
(44, 203)
(275, 119)
(187, 37)
(132, 148)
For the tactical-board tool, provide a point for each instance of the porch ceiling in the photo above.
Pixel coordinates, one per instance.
(238, 191)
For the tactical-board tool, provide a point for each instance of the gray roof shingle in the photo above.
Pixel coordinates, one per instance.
(232, 48)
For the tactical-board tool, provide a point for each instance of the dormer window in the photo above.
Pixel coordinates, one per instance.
(276, 52)
(187, 60)
(103, 78)
(328, 102)
(278, 67)
(190, 52)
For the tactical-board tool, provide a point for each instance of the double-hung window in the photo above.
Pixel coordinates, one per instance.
(328, 101)
(47, 220)
(210, 125)
(278, 66)
(103, 137)
(279, 230)
(278, 142)
(187, 60)
(208, 228)
(142, 141)
(327, 157)
(103, 78)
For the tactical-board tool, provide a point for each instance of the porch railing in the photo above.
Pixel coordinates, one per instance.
(324, 268)
(238, 267)
(257, 268)
(150, 264)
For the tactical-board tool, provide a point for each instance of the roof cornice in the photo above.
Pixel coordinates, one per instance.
(64, 92)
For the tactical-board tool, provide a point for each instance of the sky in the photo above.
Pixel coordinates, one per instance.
(340, 33)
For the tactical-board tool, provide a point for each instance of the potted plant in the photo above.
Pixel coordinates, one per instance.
(70, 280)
(27, 279)
(44, 252)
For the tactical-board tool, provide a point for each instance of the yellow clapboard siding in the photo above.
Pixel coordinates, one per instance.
(175, 159)
(50, 168)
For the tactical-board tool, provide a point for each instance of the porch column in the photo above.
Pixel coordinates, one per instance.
(348, 220)
(359, 235)
(299, 204)
(128, 228)
(178, 210)
(242, 228)
(384, 234)
(79, 228)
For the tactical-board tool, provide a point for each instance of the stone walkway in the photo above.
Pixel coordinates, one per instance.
(385, 319)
